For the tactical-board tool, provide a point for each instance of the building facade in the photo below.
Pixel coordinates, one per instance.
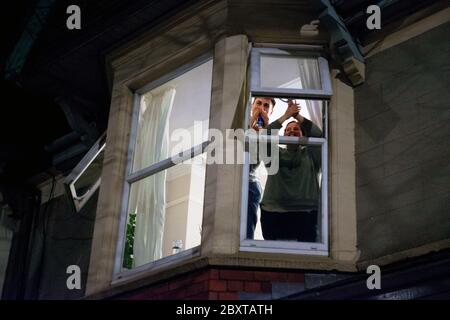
(144, 224)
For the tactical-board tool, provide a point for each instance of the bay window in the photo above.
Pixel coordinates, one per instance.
(167, 206)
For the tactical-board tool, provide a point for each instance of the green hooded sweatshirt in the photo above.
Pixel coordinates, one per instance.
(295, 187)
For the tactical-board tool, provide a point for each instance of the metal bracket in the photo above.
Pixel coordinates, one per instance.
(342, 44)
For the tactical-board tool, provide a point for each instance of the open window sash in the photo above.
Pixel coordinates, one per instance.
(314, 248)
(85, 178)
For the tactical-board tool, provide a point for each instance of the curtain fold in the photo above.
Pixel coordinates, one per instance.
(310, 79)
(147, 197)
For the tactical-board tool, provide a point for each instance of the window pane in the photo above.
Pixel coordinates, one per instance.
(289, 72)
(285, 195)
(90, 176)
(165, 213)
(173, 117)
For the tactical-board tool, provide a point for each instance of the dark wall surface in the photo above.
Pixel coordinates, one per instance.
(68, 238)
(402, 116)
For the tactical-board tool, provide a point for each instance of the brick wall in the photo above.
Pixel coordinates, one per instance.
(221, 284)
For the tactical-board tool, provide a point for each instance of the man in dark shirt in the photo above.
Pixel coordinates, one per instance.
(261, 110)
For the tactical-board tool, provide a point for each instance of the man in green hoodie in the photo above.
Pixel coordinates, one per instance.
(291, 197)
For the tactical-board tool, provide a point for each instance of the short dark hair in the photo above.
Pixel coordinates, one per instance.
(271, 100)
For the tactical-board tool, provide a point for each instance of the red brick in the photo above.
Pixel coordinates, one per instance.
(176, 294)
(214, 274)
(228, 296)
(180, 282)
(270, 276)
(163, 296)
(156, 297)
(266, 287)
(196, 288)
(252, 286)
(296, 277)
(159, 289)
(200, 296)
(217, 285)
(201, 276)
(139, 296)
(213, 295)
(236, 275)
(234, 285)
(153, 296)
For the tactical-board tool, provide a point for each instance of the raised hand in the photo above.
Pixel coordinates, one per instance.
(293, 110)
(257, 112)
(293, 105)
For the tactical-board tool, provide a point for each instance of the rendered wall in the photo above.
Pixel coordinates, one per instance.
(402, 117)
(67, 242)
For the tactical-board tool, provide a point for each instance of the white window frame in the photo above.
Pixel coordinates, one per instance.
(120, 273)
(289, 247)
(255, 79)
(78, 201)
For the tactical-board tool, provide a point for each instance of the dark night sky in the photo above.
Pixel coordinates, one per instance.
(27, 121)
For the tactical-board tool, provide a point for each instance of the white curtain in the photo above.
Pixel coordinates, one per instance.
(310, 79)
(147, 198)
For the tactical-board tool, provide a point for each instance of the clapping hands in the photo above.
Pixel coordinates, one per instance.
(292, 110)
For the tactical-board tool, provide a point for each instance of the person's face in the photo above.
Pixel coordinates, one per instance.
(293, 129)
(265, 103)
